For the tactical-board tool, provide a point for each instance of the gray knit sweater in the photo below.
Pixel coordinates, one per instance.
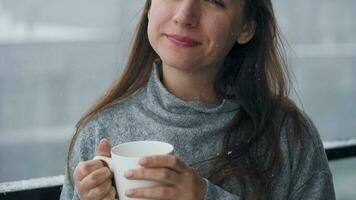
(195, 129)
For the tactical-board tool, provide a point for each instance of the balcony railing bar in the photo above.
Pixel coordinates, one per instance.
(30, 184)
(340, 149)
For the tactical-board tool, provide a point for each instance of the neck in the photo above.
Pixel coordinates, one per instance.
(191, 86)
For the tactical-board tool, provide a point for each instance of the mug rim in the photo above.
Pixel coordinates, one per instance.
(169, 146)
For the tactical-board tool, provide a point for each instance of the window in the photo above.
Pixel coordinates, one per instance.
(56, 58)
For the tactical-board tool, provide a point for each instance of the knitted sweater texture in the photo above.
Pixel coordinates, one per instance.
(196, 131)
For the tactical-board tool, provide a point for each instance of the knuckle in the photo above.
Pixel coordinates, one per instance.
(94, 177)
(173, 161)
(79, 168)
(79, 172)
(104, 190)
(165, 192)
(173, 192)
(107, 172)
(93, 193)
(76, 177)
(85, 165)
(190, 171)
(144, 173)
(90, 183)
(139, 192)
(93, 180)
(108, 186)
(84, 196)
(142, 192)
(85, 168)
(139, 172)
(96, 192)
(164, 174)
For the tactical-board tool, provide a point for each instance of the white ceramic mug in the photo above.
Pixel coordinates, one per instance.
(126, 156)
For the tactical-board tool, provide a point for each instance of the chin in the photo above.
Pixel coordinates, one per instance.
(179, 64)
(185, 63)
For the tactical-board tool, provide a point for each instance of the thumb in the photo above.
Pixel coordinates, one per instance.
(104, 148)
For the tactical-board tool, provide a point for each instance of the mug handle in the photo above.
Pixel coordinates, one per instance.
(107, 160)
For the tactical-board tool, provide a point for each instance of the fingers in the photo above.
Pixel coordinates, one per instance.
(95, 185)
(163, 175)
(96, 178)
(161, 192)
(100, 191)
(93, 179)
(111, 195)
(104, 148)
(85, 168)
(168, 161)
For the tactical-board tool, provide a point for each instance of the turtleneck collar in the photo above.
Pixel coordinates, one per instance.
(158, 95)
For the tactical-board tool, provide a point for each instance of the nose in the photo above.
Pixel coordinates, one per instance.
(187, 13)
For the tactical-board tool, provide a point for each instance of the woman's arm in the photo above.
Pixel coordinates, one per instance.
(305, 173)
(311, 177)
(318, 187)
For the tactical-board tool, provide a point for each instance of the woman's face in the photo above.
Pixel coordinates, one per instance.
(214, 25)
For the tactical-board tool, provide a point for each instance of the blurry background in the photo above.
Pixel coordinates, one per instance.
(56, 58)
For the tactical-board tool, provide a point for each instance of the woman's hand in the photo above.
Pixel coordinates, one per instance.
(93, 179)
(179, 181)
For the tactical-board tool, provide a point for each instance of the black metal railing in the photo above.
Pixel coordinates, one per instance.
(341, 149)
(50, 187)
(46, 188)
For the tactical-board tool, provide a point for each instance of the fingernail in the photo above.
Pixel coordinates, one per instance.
(129, 192)
(128, 174)
(143, 161)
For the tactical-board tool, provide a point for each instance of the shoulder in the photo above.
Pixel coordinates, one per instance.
(104, 124)
(295, 125)
(305, 164)
(298, 129)
(304, 161)
(302, 148)
(117, 111)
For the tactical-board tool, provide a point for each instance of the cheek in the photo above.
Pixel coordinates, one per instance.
(152, 31)
(220, 34)
(157, 18)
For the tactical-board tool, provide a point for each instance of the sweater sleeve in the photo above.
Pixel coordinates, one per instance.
(305, 174)
(317, 187)
(82, 150)
(311, 177)
(214, 192)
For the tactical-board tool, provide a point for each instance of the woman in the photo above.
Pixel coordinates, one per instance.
(209, 78)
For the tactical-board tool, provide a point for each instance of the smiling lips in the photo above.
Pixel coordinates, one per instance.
(182, 41)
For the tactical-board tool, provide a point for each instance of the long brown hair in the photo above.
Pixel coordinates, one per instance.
(254, 74)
